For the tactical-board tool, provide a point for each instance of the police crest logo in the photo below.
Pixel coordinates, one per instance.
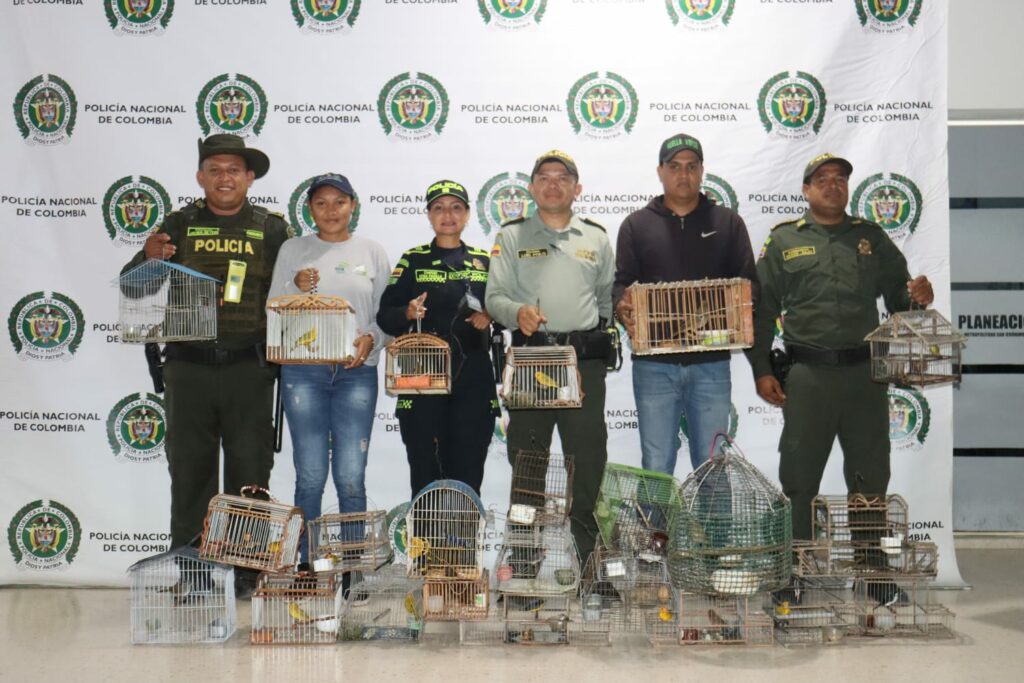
(325, 16)
(909, 418)
(413, 106)
(301, 219)
(132, 207)
(504, 198)
(512, 14)
(397, 533)
(46, 327)
(888, 16)
(891, 200)
(792, 106)
(44, 535)
(734, 425)
(138, 17)
(232, 103)
(720, 191)
(136, 428)
(700, 15)
(45, 109)
(602, 105)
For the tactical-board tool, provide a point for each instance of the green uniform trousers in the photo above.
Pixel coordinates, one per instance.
(209, 406)
(584, 436)
(823, 402)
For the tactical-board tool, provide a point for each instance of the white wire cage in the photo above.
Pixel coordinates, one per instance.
(384, 605)
(444, 528)
(248, 532)
(296, 608)
(349, 541)
(541, 377)
(178, 598)
(605, 606)
(691, 316)
(916, 348)
(163, 302)
(541, 490)
(537, 560)
(310, 329)
(418, 363)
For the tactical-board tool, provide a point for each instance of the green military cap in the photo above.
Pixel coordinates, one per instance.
(559, 156)
(679, 143)
(226, 143)
(447, 188)
(826, 158)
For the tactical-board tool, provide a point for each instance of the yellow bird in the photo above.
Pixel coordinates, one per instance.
(410, 604)
(308, 339)
(783, 609)
(418, 547)
(296, 612)
(545, 380)
(665, 614)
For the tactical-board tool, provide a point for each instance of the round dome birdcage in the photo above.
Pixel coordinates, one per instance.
(444, 526)
(732, 534)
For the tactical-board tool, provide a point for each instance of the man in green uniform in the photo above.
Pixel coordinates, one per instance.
(823, 274)
(556, 269)
(220, 392)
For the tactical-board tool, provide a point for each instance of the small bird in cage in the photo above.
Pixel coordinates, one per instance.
(307, 340)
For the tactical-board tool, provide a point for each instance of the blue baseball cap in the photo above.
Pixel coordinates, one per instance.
(335, 180)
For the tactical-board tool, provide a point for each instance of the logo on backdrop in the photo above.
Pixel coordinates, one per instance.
(891, 200)
(232, 103)
(602, 105)
(325, 16)
(136, 428)
(512, 14)
(909, 418)
(413, 106)
(720, 191)
(46, 327)
(132, 207)
(734, 423)
(888, 16)
(504, 198)
(792, 106)
(701, 15)
(45, 109)
(138, 17)
(300, 217)
(44, 535)
(397, 532)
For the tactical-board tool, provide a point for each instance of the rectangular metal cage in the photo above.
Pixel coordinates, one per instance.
(163, 302)
(541, 487)
(698, 315)
(916, 348)
(296, 608)
(247, 532)
(541, 377)
(349, 541)
(903, 608)
(634, 508)
(418, 363)
(310, 329)
(384, 605)
(706, 620)
(537, 560)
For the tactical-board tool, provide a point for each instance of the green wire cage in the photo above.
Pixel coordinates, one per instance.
(633, 509)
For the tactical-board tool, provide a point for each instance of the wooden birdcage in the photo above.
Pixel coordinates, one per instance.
(634, 507)
(537, 560)
(916, 348)
(418, 363)
(541, 487)
(868, 535)
(163, 302)
(444, 527)
(699, 315)
(349, 541)
(541, 377)
(310, 329)
(903, 608)
(296, 608)
(456, 599)
(247, 532)
(178, 598)
(384, 605)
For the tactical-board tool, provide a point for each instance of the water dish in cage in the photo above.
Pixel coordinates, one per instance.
(541, 377)
(310, 329)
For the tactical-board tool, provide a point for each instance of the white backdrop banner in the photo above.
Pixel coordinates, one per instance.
(106, 100)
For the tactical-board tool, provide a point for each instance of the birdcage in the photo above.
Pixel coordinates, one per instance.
(633, 509)
(712, 620)
(555, 622)
(384, 605)
(418, 363)
(699, 315)
(178, 598)
(603, 604)
(861, 532)
(310, 329)
(904, 608)
(456, 599)
(541, 377)
(625, 570)
(541, 487)
(349, 541)
(916, 348)
(296, 608)
(732, 534)
(162, 302)
(811, 611)
(444, 526)
(247, 532)
(537, 560)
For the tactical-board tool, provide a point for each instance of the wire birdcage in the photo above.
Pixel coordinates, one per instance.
(816, 616)
(163, 302)
(296, 608)
(541, 377)
(349, 541)
(456, 599)
(444, 527)
(178, 598)
(916, 348)
(541, 487)
(310, 329)
(418, 363)
(904, 608)
(247, 532)
(384, 605)
(861, 531)
(537, 560)
(603, 604)
(732, 534)
(711, 620)
(634, 507)
(698, 315)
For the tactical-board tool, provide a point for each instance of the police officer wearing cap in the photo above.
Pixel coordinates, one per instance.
(554, 269)
(823, 274)
(219, 393)
(442, 286)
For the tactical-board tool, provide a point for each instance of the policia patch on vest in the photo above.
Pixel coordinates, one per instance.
(431, 276)
(797, 252)
(532, 253)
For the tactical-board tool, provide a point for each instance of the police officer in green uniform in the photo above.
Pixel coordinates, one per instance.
(219, 393)
(823, 274)
(556, 269)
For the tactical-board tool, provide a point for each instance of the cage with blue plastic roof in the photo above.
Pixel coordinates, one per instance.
(162, 302)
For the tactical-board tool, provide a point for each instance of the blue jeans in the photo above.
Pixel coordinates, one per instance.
(664, 392)
(330, 416)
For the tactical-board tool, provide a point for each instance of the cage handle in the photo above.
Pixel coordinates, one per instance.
(253, 488)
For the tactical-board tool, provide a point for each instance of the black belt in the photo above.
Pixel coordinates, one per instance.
(544, 338)
(836, 357)
(211, 356)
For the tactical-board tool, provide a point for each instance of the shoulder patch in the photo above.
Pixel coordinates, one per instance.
(496, 250)
(476, 252)
(764, 247)
(594, 223)
(422, 249)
